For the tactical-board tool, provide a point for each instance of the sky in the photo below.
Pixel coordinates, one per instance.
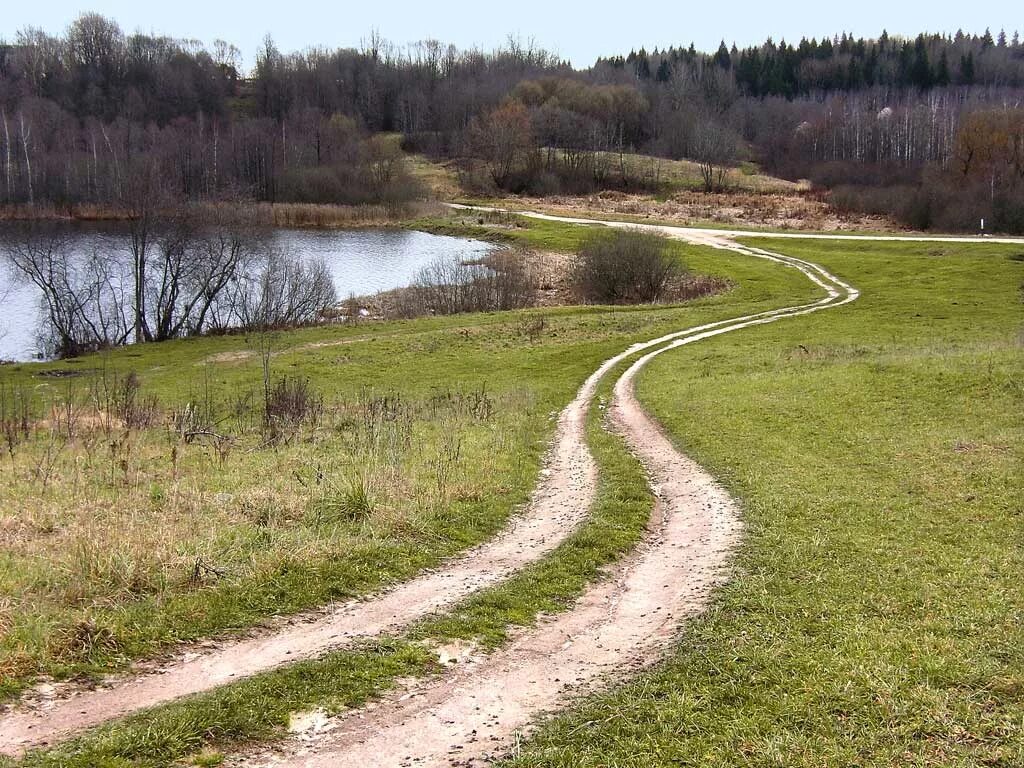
(578, 31)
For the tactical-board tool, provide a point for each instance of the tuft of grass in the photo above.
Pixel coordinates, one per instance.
(352, 503)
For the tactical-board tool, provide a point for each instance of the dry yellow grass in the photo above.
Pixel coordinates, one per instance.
(732, 209)
(342, 216)
(439, 178)
(686, 174)
(143, 531)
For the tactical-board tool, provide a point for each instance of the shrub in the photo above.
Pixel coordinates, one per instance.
(293, 401)
(1008, 213)
(450, 286)
(134, 409)
(624, 266)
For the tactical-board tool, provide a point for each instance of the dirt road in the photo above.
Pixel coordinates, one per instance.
(626, 619)
(620, 625)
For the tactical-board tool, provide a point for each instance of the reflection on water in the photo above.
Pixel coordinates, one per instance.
(362, 262)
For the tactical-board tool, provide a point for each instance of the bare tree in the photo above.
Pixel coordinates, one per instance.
(26, 133)
(144, 197)
(81, 295)
(715, 148)
(502, 139)
(281, 290)
(7, 157)
(199, 252)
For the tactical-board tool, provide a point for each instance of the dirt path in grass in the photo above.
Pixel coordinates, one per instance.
(473, 714)
(617, 624)
(560, 501)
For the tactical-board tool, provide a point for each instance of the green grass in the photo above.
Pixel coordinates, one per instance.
(259, 709)
(878, 450)
(96, 569)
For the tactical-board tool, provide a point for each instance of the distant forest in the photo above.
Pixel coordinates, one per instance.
(930, 130)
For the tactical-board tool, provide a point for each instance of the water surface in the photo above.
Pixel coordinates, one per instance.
(361, 262)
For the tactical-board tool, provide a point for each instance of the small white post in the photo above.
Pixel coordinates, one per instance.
(983, 226)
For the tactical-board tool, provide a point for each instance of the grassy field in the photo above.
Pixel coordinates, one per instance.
(667, 175)
(199, 730)
(120, 540)
(879, 453)
(877, 450)
(677, 175)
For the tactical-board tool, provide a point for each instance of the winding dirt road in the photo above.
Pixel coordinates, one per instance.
(559, 503)
(471, 715)
(619, 623)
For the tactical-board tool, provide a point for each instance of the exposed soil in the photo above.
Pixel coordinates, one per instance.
(617, 625)
(623, 624)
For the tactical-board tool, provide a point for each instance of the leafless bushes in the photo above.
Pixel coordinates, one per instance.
(120, 400)
(292, 401)
(350, 168)
(450, 286)
(84, 307)
(939, 201)
(624, 266)
(281, 290)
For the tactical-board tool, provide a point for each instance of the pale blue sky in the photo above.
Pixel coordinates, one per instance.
(580, 31)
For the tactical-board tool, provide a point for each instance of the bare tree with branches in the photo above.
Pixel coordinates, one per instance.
(84, 308)
(280, 290)
(715, 148)
(198, 252)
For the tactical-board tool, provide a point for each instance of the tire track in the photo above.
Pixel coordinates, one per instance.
(471, 716)
(560, 502)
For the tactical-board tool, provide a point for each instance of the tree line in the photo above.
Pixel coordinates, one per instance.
(86, 113)
(843, 63)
